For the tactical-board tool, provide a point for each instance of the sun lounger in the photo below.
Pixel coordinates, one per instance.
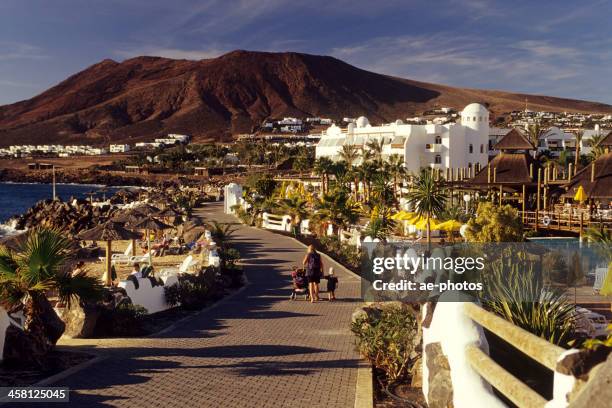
(600, 275)
(187, 264)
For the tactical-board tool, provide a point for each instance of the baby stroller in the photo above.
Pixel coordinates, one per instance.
(300, 284)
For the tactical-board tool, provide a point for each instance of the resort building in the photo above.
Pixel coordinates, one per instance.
(440, 146)
(556, 140)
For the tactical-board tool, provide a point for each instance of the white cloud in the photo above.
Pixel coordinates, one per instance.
(20, 51)
(533, 65)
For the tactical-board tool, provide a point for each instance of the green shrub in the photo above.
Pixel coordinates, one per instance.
(192, 291)
(386, 338)
(495, 224)
(124, 320)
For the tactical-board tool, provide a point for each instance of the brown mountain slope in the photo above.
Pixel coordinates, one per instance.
(149, 96)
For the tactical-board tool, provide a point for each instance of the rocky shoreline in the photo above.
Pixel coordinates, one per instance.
(86, 176)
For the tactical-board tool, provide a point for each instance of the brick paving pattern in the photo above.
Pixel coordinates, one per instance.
(255, 349)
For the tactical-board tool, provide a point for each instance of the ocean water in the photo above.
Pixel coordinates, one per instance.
(16, 198)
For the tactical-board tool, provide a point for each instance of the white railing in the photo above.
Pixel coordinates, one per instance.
(458, 327)
(276, 222)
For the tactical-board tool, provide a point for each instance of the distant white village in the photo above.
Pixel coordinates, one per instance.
(86, 150)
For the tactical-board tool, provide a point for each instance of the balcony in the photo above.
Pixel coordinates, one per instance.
(435, 165)
(433, 147)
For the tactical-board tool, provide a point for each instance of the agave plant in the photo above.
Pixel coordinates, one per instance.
(515, 291)
(28, 274)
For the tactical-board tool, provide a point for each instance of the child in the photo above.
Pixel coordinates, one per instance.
(332, 284)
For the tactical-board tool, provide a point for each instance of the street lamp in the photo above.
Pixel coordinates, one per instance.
(467, 198)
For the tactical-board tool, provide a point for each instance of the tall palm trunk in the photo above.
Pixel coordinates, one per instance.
(428, 234)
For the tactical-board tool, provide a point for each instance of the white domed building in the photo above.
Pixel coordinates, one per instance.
(441, 146)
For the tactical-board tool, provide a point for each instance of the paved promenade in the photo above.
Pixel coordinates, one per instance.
(255, 349)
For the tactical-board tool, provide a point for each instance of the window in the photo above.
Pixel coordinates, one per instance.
(480, 118)
(467, 118)
(481, 148)
(438, 140)
(490, 145)
(471, 148)
(474, 118)
(469, 165)
(438, 159)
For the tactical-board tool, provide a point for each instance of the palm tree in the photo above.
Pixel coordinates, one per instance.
(382, 191)
(221, 232)
(27, 274)
(296, 207)
(350, 154)
(376, 148)
(428, 198)
(380, 225)
(337, 209)
(579, 134)
(535, 131)
(596, 150)
(342, 174)
(367, 172)
(323, 167)
(395, 167)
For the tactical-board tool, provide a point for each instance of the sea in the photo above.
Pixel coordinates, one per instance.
(16, 198)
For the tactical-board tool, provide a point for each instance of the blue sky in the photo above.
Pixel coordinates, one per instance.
(559, 48)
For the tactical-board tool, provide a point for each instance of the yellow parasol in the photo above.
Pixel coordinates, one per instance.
(580, 195)
(450, 225)
(422, 224)
(403, 216)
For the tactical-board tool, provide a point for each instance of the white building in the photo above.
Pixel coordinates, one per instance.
(119, 148)
(442, 146)
(181, 138)
(555, 140)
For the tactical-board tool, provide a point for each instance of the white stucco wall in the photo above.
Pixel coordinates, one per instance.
(232, 194)
(147, 296)
(454, 331)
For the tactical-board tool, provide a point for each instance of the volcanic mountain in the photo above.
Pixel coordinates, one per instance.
(144, 97)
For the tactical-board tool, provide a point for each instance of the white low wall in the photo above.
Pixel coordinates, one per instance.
(147, 296)
(351, 237)
(5, 322)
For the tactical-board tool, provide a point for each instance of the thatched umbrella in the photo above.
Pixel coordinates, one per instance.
(168, 212)
(150, 224)
(128, 218)
(109, 231)
(145, 209)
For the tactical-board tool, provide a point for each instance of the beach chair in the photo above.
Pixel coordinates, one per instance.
(124, 257)
(119, 258)
(138, 259)
(600, 275)
(188, 263)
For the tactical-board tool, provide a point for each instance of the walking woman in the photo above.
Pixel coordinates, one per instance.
(314, 267)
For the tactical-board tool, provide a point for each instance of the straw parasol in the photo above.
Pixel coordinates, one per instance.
(109, 231)
(146, 209)
(150, 224)
(168, 212)
(580, 195)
